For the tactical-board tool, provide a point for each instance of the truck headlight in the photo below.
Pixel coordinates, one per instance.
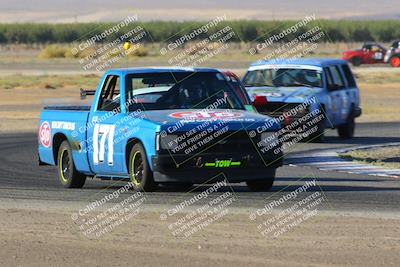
(170, 141)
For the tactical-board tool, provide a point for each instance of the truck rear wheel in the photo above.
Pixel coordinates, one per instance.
(139, 171)
(261, 185)
(67, 173)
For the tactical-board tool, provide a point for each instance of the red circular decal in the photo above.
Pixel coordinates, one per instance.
(45, 134)
(205, 115)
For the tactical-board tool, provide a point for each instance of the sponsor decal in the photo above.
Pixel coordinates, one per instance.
(205, 115)
(63, 125)
(45, 134)
(223, 164)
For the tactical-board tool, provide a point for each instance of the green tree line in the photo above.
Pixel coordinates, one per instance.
(161, 31)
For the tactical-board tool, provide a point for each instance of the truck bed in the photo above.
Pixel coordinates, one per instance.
(69, 108)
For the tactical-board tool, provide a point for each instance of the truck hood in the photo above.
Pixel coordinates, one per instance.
(186, 119)
(284, 94)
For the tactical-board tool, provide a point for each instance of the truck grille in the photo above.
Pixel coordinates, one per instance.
(229, 142)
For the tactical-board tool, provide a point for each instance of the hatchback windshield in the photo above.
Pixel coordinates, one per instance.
(282, 77)
(180, 90)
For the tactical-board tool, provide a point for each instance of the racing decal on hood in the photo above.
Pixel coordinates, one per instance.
(270, 94)
(267, 92)
(283, 92)
(206, 115)
(45, 134)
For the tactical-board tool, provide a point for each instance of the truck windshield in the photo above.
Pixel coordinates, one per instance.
(180, 90)
(282, 77)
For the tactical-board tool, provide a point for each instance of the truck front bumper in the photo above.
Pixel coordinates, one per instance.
(204, 168)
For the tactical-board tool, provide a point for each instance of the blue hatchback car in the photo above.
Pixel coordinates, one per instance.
(320, 86)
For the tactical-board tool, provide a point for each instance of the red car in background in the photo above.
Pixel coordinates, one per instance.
(370, 53)
(239, 89)
(393, 55)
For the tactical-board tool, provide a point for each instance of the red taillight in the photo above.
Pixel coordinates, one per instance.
(260, 101)
(287, 120)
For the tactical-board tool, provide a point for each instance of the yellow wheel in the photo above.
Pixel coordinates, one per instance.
(139, 171)
(67, 173)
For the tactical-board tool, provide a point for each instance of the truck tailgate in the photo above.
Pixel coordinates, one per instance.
(68, 123)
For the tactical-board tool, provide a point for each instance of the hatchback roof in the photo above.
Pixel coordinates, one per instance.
(317, 62)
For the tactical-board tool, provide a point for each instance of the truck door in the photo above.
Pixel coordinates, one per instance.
(104, 129)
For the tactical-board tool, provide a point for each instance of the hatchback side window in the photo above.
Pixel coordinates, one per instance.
(328, 77)
(349, 76)
(337, 77)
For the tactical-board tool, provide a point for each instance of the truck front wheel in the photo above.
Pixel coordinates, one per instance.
(139, 171)
(262, 185)
(67, 173)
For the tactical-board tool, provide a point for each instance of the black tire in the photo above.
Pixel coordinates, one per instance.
(356, 61)
(139, 171)
(346, 131)
(183, 186)
(67, 173)
(261, 185)
(395, 61)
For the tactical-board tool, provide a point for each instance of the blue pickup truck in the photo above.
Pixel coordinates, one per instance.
(323, 88)
(161, 125)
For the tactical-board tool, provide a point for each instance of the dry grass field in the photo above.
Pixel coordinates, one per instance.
(27, 81)
(22, 96)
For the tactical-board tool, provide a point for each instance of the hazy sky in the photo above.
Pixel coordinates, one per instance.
(113, 10)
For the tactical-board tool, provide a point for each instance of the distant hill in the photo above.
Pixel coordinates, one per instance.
(181, 10)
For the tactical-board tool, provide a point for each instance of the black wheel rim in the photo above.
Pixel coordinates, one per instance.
(65, 166)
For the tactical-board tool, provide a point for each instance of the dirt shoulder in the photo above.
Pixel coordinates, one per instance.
(39, 234)
(382, 156)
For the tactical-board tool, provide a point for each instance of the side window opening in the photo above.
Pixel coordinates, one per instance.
(349, 76)
(110, 95)
(337, 77)
(329, 82)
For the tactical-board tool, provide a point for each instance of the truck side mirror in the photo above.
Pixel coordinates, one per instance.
(83, 93)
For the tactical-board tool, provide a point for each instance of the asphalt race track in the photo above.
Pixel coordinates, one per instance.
(22, 178)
